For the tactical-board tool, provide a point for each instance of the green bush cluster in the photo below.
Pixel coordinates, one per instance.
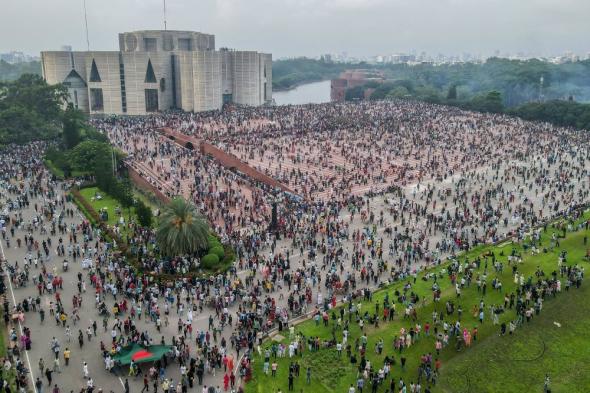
(213, 241)
(217, 250)
(210, 261)
(219, 257)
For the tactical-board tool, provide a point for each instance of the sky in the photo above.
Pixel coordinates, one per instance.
(291, 28)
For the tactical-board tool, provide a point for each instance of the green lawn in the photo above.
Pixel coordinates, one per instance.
(492, 364)
(111, 205)
(519, 363)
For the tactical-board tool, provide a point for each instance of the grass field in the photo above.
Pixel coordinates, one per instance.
(492, 363)
(519, 363)
(111, 205)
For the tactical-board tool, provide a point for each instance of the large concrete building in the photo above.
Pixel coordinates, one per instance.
(158, 70)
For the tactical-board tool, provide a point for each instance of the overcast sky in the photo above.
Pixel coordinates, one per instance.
(288, 28)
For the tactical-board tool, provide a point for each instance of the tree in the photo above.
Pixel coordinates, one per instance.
(144, 214)
(490, 102)
(181, 230)
(452, 94)
(33, 93)
(87, 154)
(73, 122)
(355, 93)
(398, 92)
(103, 173)
(30, 110)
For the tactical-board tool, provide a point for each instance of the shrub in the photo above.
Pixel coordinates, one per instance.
(217, 250)
(210, 261)
(213, 241)
(144, 214)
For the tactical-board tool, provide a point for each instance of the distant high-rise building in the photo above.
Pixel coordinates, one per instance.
(157, 70)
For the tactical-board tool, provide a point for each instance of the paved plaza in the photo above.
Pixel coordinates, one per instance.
(417, 224)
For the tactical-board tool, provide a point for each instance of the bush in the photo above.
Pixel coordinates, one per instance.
(213, 241)
(217, 250)
(209, 261)
(144, 214)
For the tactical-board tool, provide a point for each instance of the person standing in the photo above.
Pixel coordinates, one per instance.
(67, 356)
(146, 384)
(39, 385)
(56, 367)
(547, 384)
(48, 374)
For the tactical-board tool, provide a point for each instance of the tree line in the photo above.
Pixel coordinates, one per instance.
(11, 72)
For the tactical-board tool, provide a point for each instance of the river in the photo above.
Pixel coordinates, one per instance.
(309, 93)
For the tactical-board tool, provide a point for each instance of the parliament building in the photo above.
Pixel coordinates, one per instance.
(159, 70)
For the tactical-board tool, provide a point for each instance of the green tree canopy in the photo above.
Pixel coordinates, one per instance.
(181, 229)
(355, 93)
(452, 93)
(86, 155)
(398, 92)
(30, 109)
(144, 214)
(73, 123)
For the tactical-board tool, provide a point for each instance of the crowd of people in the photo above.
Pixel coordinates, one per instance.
(381, 190)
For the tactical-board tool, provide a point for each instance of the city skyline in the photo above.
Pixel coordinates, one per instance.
(362, 28)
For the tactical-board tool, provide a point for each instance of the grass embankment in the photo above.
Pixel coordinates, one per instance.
(519, 363)
(491, 364)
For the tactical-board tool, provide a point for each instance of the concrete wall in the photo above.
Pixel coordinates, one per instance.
(135, 64)
(165, 41)
(266, 76)
(107, 64)
(57, 66)
(207, 81)
(185, 98)
(227, 74)
(246, 71)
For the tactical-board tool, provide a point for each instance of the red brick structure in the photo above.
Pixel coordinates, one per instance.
(352, 78)
(232, 162)
(140, 182)
(183, 140)
(227, 160)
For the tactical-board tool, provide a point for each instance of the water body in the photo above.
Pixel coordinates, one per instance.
(309, 93)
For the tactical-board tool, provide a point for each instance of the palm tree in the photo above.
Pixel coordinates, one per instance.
(181, 230)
